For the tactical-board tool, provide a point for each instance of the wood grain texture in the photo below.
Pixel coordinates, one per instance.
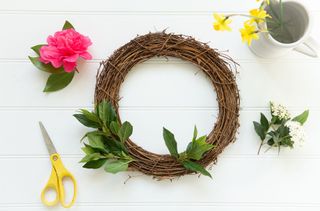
(163, 93)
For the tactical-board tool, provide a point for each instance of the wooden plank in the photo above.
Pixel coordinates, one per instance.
(161, 206)
(273, 80)
(138, 5)
(237, 180)
(66, 132)
(105, 41)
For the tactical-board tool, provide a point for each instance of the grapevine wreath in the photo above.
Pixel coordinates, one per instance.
(112, 73)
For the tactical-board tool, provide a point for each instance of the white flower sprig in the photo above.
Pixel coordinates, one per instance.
(281, 130)
(296, 131)
(279, 111)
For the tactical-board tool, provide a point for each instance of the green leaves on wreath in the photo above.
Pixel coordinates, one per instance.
(197, 148)
(115, 166)
(194, 152)
(58, 78)
(105, 146)
(125, 131)
(106, 112)
(171, 143)
(88, 119)
(193, 166)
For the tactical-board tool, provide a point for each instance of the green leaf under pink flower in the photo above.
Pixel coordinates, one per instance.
(45, 67)
(58, 81)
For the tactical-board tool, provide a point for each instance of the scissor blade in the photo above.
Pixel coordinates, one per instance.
(47, 140)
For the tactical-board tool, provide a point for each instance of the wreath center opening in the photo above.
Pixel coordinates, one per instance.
(171, 92)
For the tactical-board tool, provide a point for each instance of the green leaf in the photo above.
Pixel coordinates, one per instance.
(259, 130)
(125, 131)
(114, 127)
(114, 146)
(282, 131)
(272, 134)
(195, 133)
(90, 157)
(171, 143)
(115, 166)
(86, 122)
(201, 140)
(286, 142)
(275, 120)
(192, 166)
(264, 122)
(58, 81)
(197, 148)
(90, 115)
(36, 48)
(302, 118)
(88, 150)
(271, 142)
(45, 67)
(96, 132)
(67, 25)
(106, 112)
(96, 141)
(95, 164)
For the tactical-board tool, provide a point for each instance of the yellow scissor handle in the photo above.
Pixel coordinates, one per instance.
(58, 173)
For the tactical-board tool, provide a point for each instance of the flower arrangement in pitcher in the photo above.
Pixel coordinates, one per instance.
(59, 56)
(268, 18)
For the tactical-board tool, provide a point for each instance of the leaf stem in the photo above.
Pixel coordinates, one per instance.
(260, 147)
(244, 15)
(268, 149)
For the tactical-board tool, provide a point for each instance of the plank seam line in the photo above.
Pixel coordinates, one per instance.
(235, 156)
(159, 61)
(178, 204)
(126, 12)
(149, 108)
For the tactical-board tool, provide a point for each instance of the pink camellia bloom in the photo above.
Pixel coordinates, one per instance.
(64, 49)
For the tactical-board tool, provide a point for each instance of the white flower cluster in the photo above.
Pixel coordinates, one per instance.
(279, 111)
(296, 132)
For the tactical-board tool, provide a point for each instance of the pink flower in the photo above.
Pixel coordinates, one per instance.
(64, 49)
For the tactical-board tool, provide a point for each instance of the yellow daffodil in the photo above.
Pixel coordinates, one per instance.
(221, 23)
(259, 15)
(249, 32)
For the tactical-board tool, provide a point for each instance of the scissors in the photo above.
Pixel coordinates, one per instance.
(58, 173)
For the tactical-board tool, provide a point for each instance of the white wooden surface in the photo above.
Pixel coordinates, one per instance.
(155, 94)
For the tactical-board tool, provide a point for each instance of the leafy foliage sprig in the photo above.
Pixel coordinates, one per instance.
(194, 152)
(105, 146)
(281, 130)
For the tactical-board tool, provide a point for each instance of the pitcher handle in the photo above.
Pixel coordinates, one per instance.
(312, 46)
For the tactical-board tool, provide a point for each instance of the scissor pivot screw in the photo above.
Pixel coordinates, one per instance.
(55, 157)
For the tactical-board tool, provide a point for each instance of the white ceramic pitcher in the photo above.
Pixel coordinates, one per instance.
(268, 47)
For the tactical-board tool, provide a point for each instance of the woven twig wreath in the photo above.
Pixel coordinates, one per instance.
(216, 66)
